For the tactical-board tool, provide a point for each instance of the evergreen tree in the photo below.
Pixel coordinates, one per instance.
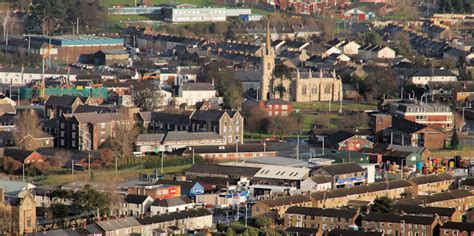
(383, 205)
(455, 140)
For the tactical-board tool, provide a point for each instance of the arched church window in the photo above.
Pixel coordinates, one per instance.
(327, 89)
(269, 66)
(314, 90)
(303, 90)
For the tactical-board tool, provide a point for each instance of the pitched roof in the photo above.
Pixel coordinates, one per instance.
(348, 232)
(338, 137)
(89, 108)
(223, 170)
(166, 118)
(172, 202)
(185, 185)
(158, 137)
(343, 168)
(198, 86)
(438, 197)
(7, 108)
(289, 200)
(321, 179)
(63, 100)
(374, 187)
(174, 216)
(277, 102)
(173, 136)
(135, 198)
(397, 218)
(406, 126)
(282, 172)
(421, 210)
(324, 212)
(301, 230)
(431, 178)
(462, 226)
(17, 153)
(207, 115)
(115, 224)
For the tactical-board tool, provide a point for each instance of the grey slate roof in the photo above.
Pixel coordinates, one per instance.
(174, 216)
(343, 168)
(223, 170)
(172, 202)
(397, 218)
(421, 210)
(122, 223)
(288, 200)
(135, 198)
(172, 136)
(323, 212)
(438, 197)
(431, 178)
(198, 86)
(150, 137)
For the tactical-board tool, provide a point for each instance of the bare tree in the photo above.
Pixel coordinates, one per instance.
(27, 127)
(122, 142)
(146, 95)
(6, 224)
(282, 126)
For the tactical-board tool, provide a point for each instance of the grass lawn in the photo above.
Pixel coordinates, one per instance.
(324, 106)
(466, 152)
(131, 3)
(121, 175)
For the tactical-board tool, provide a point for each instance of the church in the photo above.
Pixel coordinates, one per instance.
(303, 86)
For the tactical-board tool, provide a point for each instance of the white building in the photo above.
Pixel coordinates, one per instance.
(136, 205)
(370, 51)
(316, 184)
(423, 76)
(168, 205)
(191, 93)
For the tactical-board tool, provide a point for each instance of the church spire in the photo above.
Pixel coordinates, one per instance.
(268, 43)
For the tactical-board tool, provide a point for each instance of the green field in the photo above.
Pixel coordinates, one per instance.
(121, 175)
(131, 3)
(324, 106)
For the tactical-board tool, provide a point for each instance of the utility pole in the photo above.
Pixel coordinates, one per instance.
(193, 155)
(162, 154)
(77, 25)
(323, 146)
(72, 167)
(116, 163)
(23, 172)
(89, 164)
(298, 146)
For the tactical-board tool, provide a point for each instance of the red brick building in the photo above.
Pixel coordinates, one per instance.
(347, 141)
(74, 48)
(433, 115)
(276, 107)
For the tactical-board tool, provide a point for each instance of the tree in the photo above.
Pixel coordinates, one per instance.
(262, 222)
(125, 135)
(90, 200)
(229, 232)
(298, 119)
(60, 211)
(328, 27)
(282, 72)
(356, 120)
(27, 127)
(281, 126)
(6, 214)
(256, 120)
(372, 37)
(455, 140)
(233, 96)
(146, 96)
(10, 165)
(383, 205)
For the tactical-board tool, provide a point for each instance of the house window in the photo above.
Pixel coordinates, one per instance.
(28, 222)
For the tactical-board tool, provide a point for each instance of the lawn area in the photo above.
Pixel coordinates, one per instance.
(465, 152)
(323, 106)
(121, 175)
(131, 3)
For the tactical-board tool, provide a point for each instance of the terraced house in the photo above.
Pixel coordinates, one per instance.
(404, 225)
(325, 219)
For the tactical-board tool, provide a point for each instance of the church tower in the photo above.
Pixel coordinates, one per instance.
(268, 64)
